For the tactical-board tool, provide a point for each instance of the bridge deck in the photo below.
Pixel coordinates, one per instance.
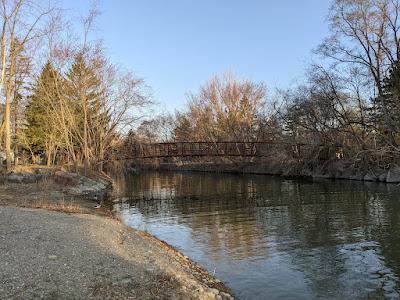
(198, 149)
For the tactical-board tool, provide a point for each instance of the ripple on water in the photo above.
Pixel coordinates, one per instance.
(272, 238)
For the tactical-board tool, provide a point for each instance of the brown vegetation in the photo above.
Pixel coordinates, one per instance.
(65, 103)
(63, 206)
(75, 107)
(347, 108)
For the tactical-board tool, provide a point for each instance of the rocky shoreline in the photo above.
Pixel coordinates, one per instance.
(208, 287)
(71, 183)
(335, 169)
(194, 281)
(51, 255)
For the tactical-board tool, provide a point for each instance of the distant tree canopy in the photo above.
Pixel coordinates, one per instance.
(225, 108)
(352, 99)
(80, 105)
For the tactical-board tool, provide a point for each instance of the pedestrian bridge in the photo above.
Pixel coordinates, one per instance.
(223, 149)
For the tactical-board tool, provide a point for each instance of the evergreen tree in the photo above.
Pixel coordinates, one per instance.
(386, 110)
(38, 108)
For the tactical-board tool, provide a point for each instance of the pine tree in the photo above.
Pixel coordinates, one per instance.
(38, 109)
(386, 110)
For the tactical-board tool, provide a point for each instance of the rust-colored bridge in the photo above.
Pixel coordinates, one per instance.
(228, 149)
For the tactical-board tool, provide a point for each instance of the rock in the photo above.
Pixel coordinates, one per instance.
(126, 281)
(14, 178)
(357, 176)
(23, 177)
(31, 178)
(382, 177)
(321, 176)
(214, 291)
(66, 178)
(226, 296)
(370, 177)
(393, 175)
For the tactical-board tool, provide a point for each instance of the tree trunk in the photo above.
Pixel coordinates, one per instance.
(7, 120)
(7, 113)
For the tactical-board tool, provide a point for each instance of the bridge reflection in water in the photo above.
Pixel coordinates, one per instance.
(262, 235)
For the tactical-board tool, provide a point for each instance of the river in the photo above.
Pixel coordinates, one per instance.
(273, 238)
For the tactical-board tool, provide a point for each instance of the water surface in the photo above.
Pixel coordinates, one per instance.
(271, 238)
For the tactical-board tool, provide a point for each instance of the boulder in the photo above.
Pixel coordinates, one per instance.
(393, 175)
(357, 176)
(14, 177)
(23, 178)
(66, 178)
(383, 177)
(226, 296)
(90, 188)
(31, 178)
(370, 176)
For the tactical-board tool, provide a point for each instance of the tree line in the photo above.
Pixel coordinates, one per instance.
(351, 97)
(64, 101)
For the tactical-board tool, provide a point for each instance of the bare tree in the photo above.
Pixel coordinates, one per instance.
(21, 24)
(365, 35)
(328, 110)
(156, 130)
(226, 108)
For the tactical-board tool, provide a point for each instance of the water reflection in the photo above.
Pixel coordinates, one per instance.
(272, 238)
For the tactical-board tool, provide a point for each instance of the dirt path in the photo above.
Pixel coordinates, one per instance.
(52, 255)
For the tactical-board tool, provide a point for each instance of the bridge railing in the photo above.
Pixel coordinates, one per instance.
(228, 149)
(186, 149)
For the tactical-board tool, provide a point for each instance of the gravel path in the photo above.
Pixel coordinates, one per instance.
(53, 255)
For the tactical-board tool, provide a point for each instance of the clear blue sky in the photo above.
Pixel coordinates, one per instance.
(176, 45)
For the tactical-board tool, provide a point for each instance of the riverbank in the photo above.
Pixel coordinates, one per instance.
(84, 255)
(54, 189)
(330, 169)
(54, 255)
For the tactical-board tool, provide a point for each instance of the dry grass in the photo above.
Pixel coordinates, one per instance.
(69, 207)
(59, 206)
(28, 168)
(47, 183)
